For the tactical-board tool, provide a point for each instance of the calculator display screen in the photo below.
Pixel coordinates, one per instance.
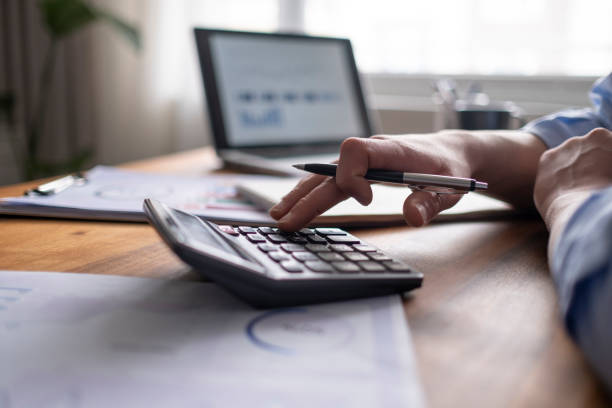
(197, 231)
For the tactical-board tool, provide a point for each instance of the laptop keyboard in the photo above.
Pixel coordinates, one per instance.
(319, 250)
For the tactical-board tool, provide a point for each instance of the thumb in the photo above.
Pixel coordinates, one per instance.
(421, 206)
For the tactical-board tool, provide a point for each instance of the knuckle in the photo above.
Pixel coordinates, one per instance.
(545, 157)
(599, 134)
(550, 155)
(350, 145)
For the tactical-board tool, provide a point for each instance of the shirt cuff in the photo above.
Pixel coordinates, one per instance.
(556, 128)
(583, 248)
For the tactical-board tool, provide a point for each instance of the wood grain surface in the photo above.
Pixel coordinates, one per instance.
(485, 324)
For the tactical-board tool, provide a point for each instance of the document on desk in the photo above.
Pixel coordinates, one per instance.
(115, 194)
(386, 207)
(76, 340)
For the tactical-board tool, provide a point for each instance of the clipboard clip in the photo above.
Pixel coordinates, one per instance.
(57, 186)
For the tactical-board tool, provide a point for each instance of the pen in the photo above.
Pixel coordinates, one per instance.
(57, 186)
(417, 180)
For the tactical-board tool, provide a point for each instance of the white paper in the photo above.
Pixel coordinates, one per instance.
(387, 200)
(74, 340)
(112, 193)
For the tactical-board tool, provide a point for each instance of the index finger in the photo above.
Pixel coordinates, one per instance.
(301, 190)
(316, 202)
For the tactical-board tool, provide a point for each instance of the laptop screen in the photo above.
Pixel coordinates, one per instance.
(275, 89)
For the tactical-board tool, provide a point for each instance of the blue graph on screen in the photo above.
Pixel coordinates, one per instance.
(268, 118)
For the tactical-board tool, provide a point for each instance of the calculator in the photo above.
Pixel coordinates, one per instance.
(267, 267)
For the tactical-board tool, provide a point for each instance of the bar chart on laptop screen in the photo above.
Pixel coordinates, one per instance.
(273, 89)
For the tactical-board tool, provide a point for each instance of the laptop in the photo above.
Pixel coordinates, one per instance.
(278, 99)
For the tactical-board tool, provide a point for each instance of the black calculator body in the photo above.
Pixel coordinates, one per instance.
(269, 268)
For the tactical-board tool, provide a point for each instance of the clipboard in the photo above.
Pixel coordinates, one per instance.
(108, 193)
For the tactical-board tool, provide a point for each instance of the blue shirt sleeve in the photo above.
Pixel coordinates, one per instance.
(582, 270)
(554, 129)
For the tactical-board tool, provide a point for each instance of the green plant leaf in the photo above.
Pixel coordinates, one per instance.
(62, 17)
(129, 32)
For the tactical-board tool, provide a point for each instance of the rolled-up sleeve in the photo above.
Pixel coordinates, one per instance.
(582, 270)
(554, 129)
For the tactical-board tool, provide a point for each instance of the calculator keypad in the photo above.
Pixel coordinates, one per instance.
(356, 256)
(319, 250)
(305, 256)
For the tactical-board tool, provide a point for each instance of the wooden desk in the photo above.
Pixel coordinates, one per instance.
(485, 324)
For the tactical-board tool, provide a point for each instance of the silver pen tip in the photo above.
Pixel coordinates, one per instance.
(299, 166)
(480, 185)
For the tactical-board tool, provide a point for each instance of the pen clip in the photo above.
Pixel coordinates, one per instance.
(57, 186)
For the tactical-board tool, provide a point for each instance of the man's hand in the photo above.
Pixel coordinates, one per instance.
(506, 160)
(569, 174)
(413, 153)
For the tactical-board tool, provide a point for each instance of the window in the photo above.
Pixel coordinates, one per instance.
(449, 37)
(260, 15)
(524, 37)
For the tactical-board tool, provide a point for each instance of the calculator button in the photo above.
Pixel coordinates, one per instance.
(319, 266)
(343, 239)
(292, 266)
(379, 256)
(331, 256)
(305, 256)
(247, 230)
(297, 240)
(346, 266)
(278, 256)
(364, 248)
(317, 239)
(292, 247)
(267, 247)
(330, 231)
(255, 237)
(395, 266)
(355, 256)
(306, 231)
(371, 266)
(276, 238)
(266, 230)
(341, 248)
(228, 229)
(317, 248)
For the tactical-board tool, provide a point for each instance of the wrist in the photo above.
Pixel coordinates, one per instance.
(507, 160)
(558, 211)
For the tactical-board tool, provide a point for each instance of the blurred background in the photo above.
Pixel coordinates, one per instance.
(119, 103)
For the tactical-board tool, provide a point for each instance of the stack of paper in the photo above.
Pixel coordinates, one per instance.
(73, 340)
